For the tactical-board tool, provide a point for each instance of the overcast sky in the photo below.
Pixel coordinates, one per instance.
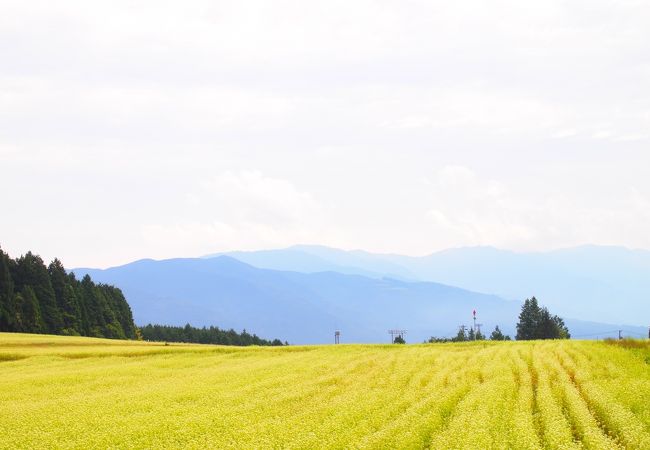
(132, 129)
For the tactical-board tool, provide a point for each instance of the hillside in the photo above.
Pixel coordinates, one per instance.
(304, 307)
(36, 298)
(91, 393)
(593, 283)
(300, 308)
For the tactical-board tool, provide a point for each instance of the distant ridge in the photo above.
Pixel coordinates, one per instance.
(595, 283)
(304, 308)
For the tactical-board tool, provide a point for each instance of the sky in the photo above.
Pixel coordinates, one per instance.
(156, 129)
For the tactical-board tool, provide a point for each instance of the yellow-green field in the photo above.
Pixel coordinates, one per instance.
(65, 392)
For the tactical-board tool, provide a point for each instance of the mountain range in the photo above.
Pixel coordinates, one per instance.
(596, 283)
(303, 293)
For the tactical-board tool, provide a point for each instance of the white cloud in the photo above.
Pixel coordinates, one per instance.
(148, 119)
(240, 210)
(252, 197)
(478, 211)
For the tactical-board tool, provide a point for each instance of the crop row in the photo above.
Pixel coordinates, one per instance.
(524, 395)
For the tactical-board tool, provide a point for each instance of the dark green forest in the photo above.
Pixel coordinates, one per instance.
(211, 335)
(35, 298)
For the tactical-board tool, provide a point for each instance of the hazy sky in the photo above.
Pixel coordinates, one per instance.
(133, 129)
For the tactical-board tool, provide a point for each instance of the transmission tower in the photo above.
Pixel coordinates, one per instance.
(395, 333)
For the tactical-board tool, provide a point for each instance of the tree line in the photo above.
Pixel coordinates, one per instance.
(211, 335)
(468, 334)
(535, 322)
(35, 298)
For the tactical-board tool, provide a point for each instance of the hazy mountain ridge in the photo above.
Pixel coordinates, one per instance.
(595, 283)
(311, 259)
(304, 307)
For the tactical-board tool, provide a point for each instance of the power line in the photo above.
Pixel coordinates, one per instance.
(396, 333)
(595, 334)
(621, 333)
(635, 333)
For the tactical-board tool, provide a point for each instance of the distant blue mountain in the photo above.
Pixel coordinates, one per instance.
(595, 283)
(302, 307)
(312, 258)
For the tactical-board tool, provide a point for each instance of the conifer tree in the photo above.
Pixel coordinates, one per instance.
(7, 299)
(461, 336)
(539, 323)
(39, 299)
(31, 271)
(497, 335)
(65, 298)
(28, 311)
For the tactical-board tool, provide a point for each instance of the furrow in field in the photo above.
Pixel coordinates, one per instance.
(586, 427)
(314, 413)
(614, 418)
(556, 428)
(525, 428)
(518, 395)
(485, 416)
(414, 417)
(368, 401)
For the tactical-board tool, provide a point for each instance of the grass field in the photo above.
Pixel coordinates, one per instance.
(65, 392)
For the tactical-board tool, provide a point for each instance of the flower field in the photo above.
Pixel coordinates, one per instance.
(67, 392)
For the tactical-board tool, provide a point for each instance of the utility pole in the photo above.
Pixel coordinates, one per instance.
(478, 330)
(619, 335)
(474, 315)
(337, 335)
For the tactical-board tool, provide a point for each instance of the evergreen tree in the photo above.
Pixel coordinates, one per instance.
(545, 327)
(71, 312)
(563, 331)
(81, 301)
(31, 271)
(211, 335)
(528, 320)
(65, 298)
(121, 310)
(28, 312)
(7, 299)
(399, 340)
(471, 335)
(461, 336)
(539, 323)
(497, 335)
(39, 299)
(95, 310)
